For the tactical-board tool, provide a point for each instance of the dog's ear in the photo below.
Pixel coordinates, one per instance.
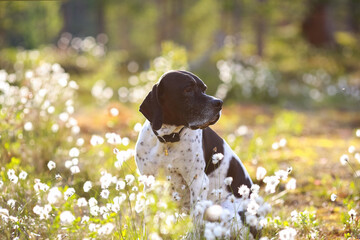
(151, 108)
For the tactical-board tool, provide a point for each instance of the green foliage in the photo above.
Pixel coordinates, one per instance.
(29, 24)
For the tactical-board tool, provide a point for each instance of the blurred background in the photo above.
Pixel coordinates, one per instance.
(296, 54)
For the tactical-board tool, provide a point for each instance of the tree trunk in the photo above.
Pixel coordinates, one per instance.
(260, 30)
(317, 28)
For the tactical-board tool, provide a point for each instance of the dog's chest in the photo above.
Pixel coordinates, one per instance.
(183, 157)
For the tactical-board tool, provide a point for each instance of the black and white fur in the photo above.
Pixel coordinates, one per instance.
(178, 103)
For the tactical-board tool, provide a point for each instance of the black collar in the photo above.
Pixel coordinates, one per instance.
(173, 137)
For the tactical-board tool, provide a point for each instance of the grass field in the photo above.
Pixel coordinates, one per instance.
(68, 172)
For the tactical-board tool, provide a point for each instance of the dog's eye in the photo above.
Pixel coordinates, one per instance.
(188, 90)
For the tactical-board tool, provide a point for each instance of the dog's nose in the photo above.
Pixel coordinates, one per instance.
(217, 103)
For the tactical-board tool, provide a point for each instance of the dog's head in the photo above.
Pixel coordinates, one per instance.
(179, 99)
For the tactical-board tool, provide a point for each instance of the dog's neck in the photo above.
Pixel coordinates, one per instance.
(173, 136)
(167, 129)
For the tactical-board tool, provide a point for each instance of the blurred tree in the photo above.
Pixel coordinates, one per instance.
(354, 15)
(132, 26)
(83, 17)
(317, 27)
(29, 24)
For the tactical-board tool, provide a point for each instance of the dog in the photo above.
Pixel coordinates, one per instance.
(176, 137)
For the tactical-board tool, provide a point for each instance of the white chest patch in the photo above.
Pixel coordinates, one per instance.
(183, 166)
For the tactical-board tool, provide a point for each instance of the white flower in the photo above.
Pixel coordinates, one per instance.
(271, 183)
(218, 230)
(281, 174)
(357, 157)
(92, 227)
(92, 202)
(23, 175)
(125, 141)
(104, 211)
(140, 205)
(94, 210)
(68, 193)
(120, 185)
(1, 184)
(282, 142)
(287, 234)
(255, 188)
(43, 212)
(75, 161)
(54, 195)
(114, 112)
(106, 229)
(118, 200)
(80, 142)
(358, 132)
(251, 220)
(68, 163)
(264, 209)
(294, 215)
(260, 173)
(275, 146)
(252, 208)
(147, 180)
(81, 202)
(28, 126)
(351, 149)
(105, 193)
(291, 184)
(244, 191)
(352, 213)
(96, 140)
(129, 179)
(85, 219)
(137, 127)
(228, 181)
(40, 186)
(74, 169)
(113, 138)
(132, 197)
(55, 128)
(344, 159)
(262, 223)
(333, 197)
(208, 234)
(10, 172)
(116, 151)
(217, 157)
(64, 116)
(74, 152)
(51, 165)
(87, 186)
(168, 178)
(12, 177)
(11, 203)
(105, 180)
(67, 217)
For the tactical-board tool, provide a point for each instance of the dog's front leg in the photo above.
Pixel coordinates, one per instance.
(199, 187)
